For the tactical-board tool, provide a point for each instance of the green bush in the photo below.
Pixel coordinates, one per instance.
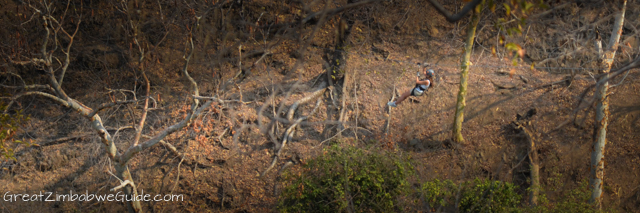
(440, 194)
(475, 196)
(347, 178)
(489, 196)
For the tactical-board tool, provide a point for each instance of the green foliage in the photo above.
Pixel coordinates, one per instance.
(576, 200)
(489, 196)
(8, 126)
(475, 196)
(344, 178)
(439, 193)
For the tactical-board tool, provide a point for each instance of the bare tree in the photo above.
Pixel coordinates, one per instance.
(602, 110)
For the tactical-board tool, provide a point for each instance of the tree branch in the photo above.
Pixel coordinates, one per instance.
(454, 17)
(52, 97)
(66, 53)
(173, 128)
(145, 110)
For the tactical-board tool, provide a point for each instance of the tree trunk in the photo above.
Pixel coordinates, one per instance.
(133, 205)
(464, 76)
(534, 189)
(535, 169)
(602, 114)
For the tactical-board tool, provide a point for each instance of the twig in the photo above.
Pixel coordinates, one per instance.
(122, 183)
(178, 175)
(618, 84)
(107, 105)
(220, 137)
(328, 139)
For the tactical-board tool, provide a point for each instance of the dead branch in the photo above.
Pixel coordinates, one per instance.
(288, 135)
(60, 140)
(304, 100)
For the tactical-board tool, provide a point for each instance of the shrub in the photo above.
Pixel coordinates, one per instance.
(343, 178)
(489, 196)
(439, 194)
(475, 196)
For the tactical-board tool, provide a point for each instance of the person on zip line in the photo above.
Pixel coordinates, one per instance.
(421, 86)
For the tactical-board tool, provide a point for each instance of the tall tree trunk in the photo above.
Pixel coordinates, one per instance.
(602, 113)
(130, 191)
(464, 76)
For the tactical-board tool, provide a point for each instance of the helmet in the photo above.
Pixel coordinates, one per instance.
(430, 73)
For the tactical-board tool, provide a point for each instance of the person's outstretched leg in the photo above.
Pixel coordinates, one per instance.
(404, 96)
